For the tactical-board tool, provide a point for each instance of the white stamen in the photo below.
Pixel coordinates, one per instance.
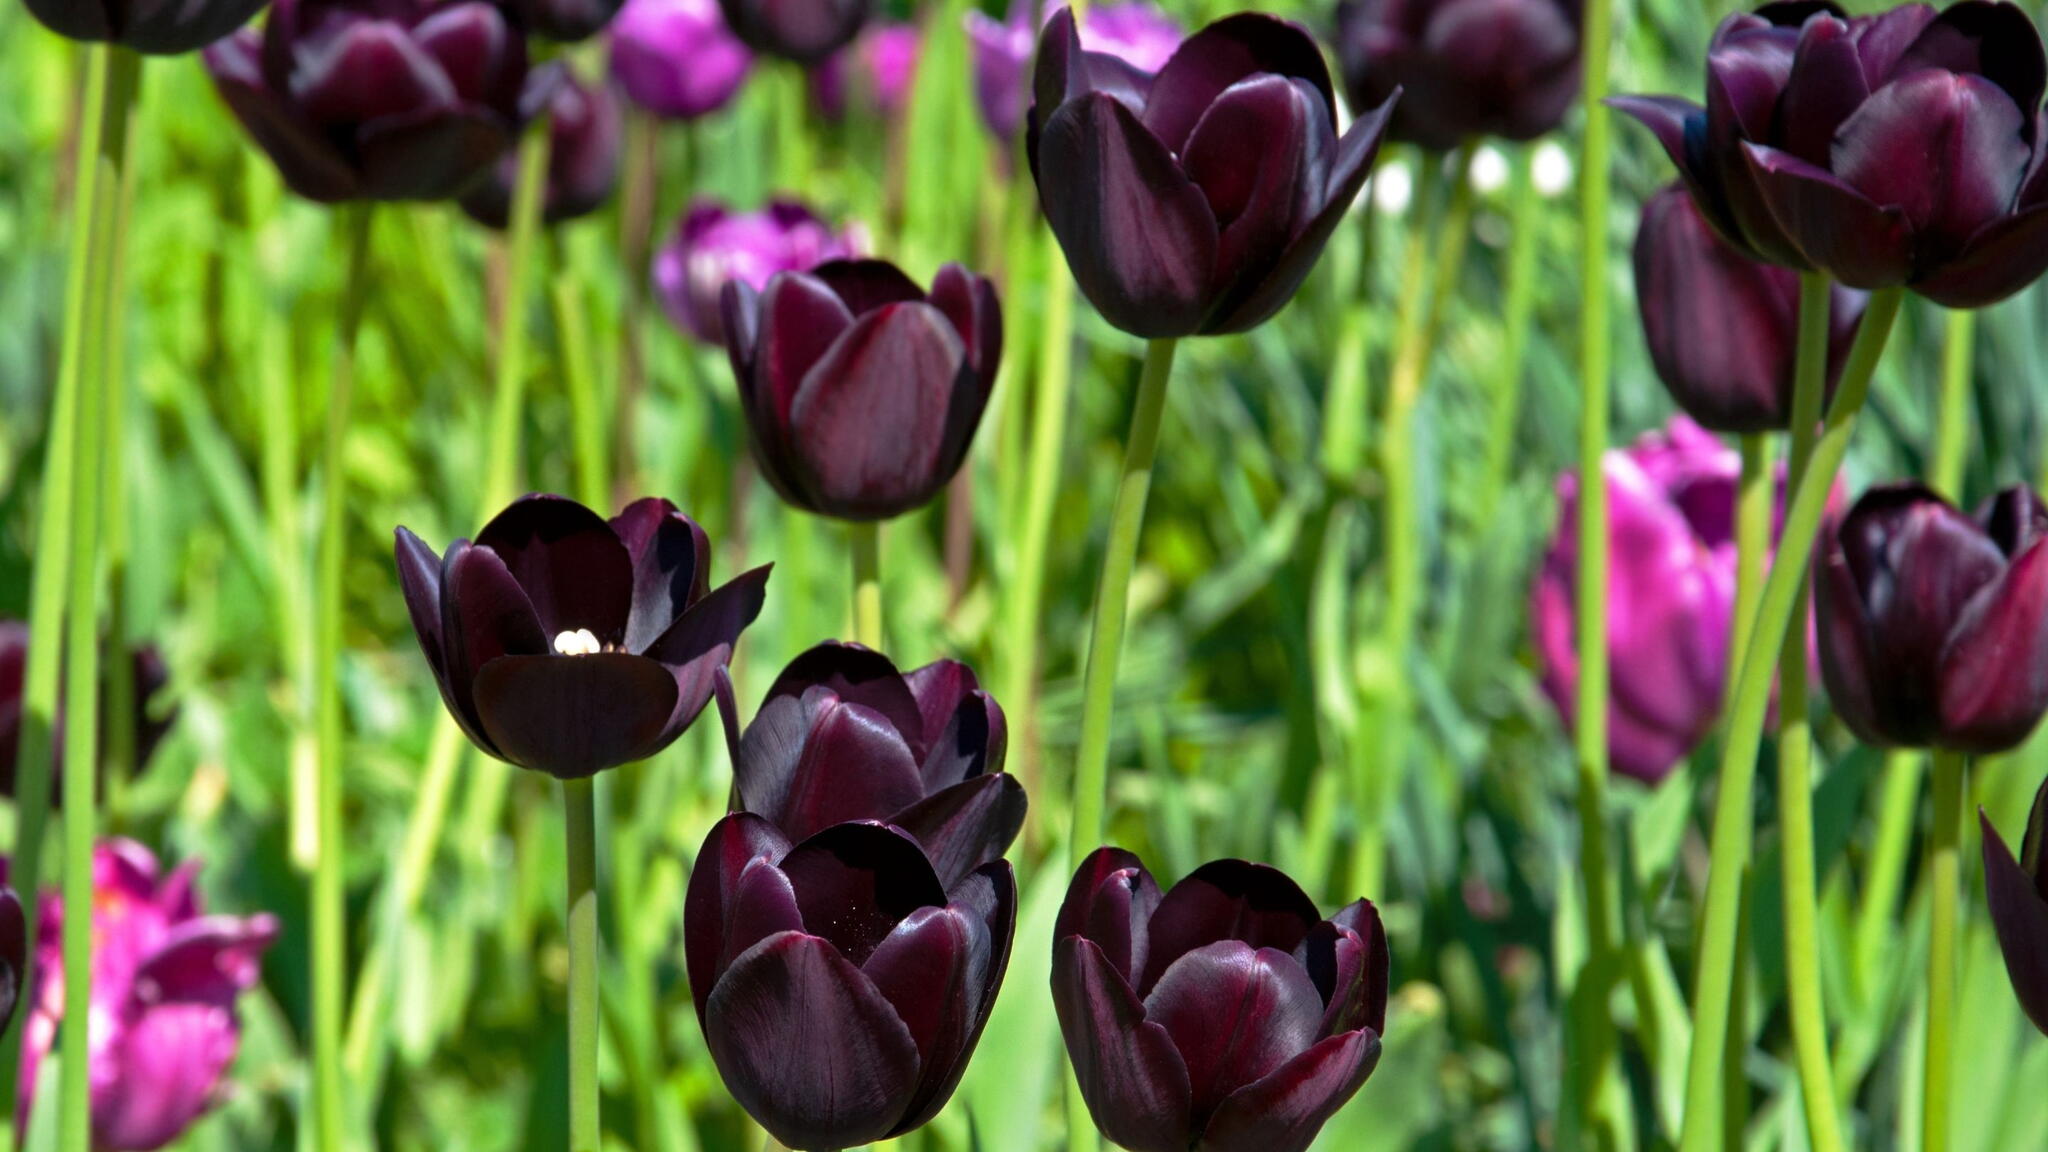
(577, 643)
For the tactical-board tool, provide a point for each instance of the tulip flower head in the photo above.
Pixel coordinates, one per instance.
(569, 644)
(861, 392)
(377, 99)
(1723, 329)
(563, 21)
(2017, 891)
(583, 152)
(1465, 68)
(714, 244)
(1897, 149)
(876, 70)
(677, 58)
(1227, 1014)
(1196, 201)
(806, 31)
(1137, 33)
(151, 27)
(165, 978)
(1933, 624)
(150, 720)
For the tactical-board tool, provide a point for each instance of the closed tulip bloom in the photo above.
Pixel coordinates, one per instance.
(1888, 150)
(677, 58)
(806, 31)
(563, 21)
(861, 392)
(150, 721)
(569, 644)
(151, 27)
(1196, 201)
(876, 70)
(844, 736)
(1933, 624)
(714, 244)
(2017, 891)
(1723, 329)
(840, 984)
(1465, 68)
(583, 153)
(165, 978)
(377, 99)
(1136, 33)
(1225, 1016)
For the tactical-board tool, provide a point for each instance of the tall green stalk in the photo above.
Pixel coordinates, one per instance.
(120, 755)
(508, 388)
(1944, 884)
(865, 540)
(1518, 309)
(1952, 420)
(579, 807)
(1753, 507)
(1112, 597)
(572, 354)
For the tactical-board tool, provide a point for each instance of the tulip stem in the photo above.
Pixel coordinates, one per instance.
(1952, 420)
(1112, 601)
(578, 802)
(1729, 852)
(572, 352)
(508, 389)
(865, 541)
(1795, 755)
(1944, 879)
(1753, 507)
(1518, 309)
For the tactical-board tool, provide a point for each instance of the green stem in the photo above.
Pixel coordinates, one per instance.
(1944, 882)
(1884, 877)
(1112, 601)
(637, 207)
(865, 540)
(1518, 310)
(1795, 756)
(578, 803)
(1729, 849)
(1952, 421)
(1753, 507)
(121, 704)
(572, 347)
(508, 389)
(1345, 401)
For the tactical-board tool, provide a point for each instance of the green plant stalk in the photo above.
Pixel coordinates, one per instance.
(578, 802)
(1884, 876)
(864, 539)
(1518, 310)
(1344, 403)
(637, 208)
(120, 757)
(572, 351)
(1729, 849)
(1944, 884)
(1952, 420)
(1753, 506)
(1112, 601)
(1795, 759)
(508, 387)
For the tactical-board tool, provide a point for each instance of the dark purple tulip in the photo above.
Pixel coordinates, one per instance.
(1723, 329)
(805, 31)
(377, 99)
(844, 736)
(2017, 891)
(861, 392)
(841, 986)
(151, 27)
(714, 244)
(563, 21)
(1196, 201)
(583, 152)
(568, 644)
(1933, 624)
(1226, 1016)
(1886, 150)
(676, 58)
(13, 954)
(1465, 68)
(1137, 33)
(876, 70)
(151, 719)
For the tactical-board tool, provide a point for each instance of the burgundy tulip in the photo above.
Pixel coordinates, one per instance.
(714, 244)
(564, 21)
(377, 99)
(568, 644)
(151, 27)
(583, 152)
(676, 58)
(841, 986)
(2017, 891)
(844, 736)
(1135, 32)
(861, 392)
(151, 719)
(1196, 201)
(1933, 624)
(806, 31)
(1225, 1016)
(1723, 329)
(1886, 150)
(1465, 68)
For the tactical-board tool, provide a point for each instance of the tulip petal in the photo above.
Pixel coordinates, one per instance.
(856, 882)
(570, 562)
(972, 743)
(1996, 41)
(1883, 39)
(701, 641)
(485, 614)
(431, 155)
(857, 675)
(671, 558)
(865, 285)
(169, 1062)
(1110, 902)
(1283, 1110)
(2020, 917)
(1131, 1076)
(1993, 682)
(759, 904)
(739, 315)
(1231, 49)
(1346, 956)
(969, 302)
(1236, 1013)
(2013, 518)
(939, 688)
(1943, 149)
(309, 163)
(986, 903)
(2006, 256)
(483, 58)
(368, 70)
(1825, 87)
(1260, 202)
(208, 960)
(811, 762)
(1138, 234)
(1673, 121)
(1862, 244)
(732, 845)
(575, 716)
(967, 825)
(930, 969)
(1254, 904)
(1847, 663)
(800, 317)
(419, 579)
(807, 1045)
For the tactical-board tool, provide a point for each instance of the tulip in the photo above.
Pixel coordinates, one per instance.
(714, 244)
(2017, 891)
(151, 720)
(1723, 329)
(1226, 1015)
(583, 152)
(568, 644)
(806, 31)
(13, 954)
(880, 67)
(165, 978)
(861, 392)
(153, 28)
(403, 100)
(676, 58)
(1136, 33)
(1196, 201)
(1933, 624)
(1887, 150)
(840, 984)
(563, 21)
(1465, 68)
(844, 736)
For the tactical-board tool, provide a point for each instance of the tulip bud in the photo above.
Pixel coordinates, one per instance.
(153, 29)
(1465, 68)
(677, 58)
(879, 68)
(401, 100)
(583, 152)
(840, 985)
(165, 979)
(1933, 624)
(1136, 33)
(805, 31)
(1908, 164)
(151, 719)
(713, 245)
(568, 644)
(2017, 891)
(862, 393)
(1196, 201)
(1723, 330)
(1225, 1015)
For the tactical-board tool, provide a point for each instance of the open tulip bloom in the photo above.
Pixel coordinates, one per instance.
(1465, 68)
(676, 58)
(805, 31)
(2017, 891)
(1225, 1016)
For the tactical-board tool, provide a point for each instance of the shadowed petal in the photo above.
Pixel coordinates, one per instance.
(1283, 1111)
(1943, 149)
(1825, 87)
(1996, 41)
(987, 903)
(733, 844)
(2021, 919)
(939, 688)
(701, 642)
(811, 762)
(430, 155)
(484, 615)
(1227, 51)
(13, 954)
(570, 563)
(800, 317)
(856, 882)
(2006, 256)
(1349, 967)
(1227, 900)
(1132, 1077)
(967, 825)
(969, 302)
(1670, 119)
(1260, 201)
(858, 675)
(1110, 901)
(484, 58)
(309, 163)
(368, 71)
(1837, 228)
(973, 743)
(1994, 673)
(1236, 1013)
(760, 904)
(671, 559)
(575, 716)
(865, 285)
(419, 579)
(929, 969)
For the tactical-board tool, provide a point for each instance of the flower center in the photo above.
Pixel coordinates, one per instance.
(577, 643)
